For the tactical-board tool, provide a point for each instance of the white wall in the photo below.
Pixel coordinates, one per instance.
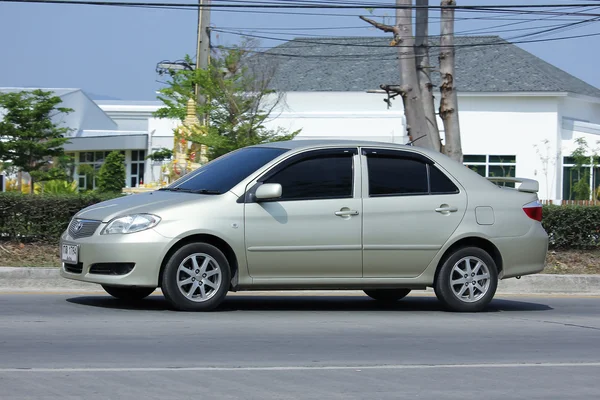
(580, 110)
(490, 125)
(348, 115)
(514, 125)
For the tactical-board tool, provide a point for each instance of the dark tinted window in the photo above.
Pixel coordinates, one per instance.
(396, 176)
(320, 177)
(440, 183)
(227, 171)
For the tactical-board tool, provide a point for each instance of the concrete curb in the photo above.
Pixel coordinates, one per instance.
(23, 279)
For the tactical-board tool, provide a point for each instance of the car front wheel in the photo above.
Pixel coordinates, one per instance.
(387, 295)
(467, 280)
(128, 293)
(196, 278)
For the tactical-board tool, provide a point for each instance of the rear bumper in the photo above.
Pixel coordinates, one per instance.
(144, 249)
(524, 255)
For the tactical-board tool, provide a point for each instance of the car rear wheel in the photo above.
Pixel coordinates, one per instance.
(128, 293)
(467, 280)
(387, 295)
(196, 278)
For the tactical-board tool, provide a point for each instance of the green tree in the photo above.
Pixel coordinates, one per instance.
(111, 178)
(239, 100)
(30, 137)
(584, 162)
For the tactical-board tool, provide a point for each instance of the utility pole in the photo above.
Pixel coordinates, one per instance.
(203, 45)
(202, 60)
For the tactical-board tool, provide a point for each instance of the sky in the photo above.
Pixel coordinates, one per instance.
(112, 52)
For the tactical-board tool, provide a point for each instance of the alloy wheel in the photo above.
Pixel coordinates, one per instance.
(199, 277)
(470, 279)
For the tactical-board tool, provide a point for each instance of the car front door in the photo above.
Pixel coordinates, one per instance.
(410, 210)
(314, 229)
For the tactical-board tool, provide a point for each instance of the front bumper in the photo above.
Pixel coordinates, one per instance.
(145, 249)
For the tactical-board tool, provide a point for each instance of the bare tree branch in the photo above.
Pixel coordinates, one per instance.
(449, 99)
(423, 69)
(379, 25)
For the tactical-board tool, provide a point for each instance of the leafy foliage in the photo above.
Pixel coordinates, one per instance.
(111, 178)
(161, 155)
(29, 135)
(572, 227)
(56, 187)
(238, 100)
(583, 160)
(41, 218)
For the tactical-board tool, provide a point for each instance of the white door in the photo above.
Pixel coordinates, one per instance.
(410, 210)
(314, 229)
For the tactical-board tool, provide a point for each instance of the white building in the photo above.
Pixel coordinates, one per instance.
(519, 115)
(99, 127)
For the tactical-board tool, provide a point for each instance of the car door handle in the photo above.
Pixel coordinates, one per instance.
(346, 213)
(446, 209)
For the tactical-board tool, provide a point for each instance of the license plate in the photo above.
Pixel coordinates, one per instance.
(70, 253)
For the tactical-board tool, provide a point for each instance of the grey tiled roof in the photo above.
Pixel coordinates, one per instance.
(483, 64)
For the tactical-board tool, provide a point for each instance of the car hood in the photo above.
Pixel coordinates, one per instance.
(151, 202)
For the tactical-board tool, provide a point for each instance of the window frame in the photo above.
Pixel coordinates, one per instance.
(296, 158)
(592, 168)
(406, 155)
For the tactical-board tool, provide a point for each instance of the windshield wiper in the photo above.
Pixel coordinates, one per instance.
(198, 191)
(206, 191)
(177, 189)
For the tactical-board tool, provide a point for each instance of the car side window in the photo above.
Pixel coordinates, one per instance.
(439, 183)
(324, 176)
(393, 173)
(395, 176)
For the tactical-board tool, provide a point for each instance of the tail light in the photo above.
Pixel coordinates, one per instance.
(534, 210)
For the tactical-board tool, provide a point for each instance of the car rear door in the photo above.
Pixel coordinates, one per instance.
(410, 209)
(314, 229)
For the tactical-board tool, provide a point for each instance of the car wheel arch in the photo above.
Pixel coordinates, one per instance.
(472, 241)
(213, 240)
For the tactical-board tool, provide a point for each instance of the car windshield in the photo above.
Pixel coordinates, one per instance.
(225, 172)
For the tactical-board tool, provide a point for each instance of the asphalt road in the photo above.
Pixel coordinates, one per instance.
(83, 346)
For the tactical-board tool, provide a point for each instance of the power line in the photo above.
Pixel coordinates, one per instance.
(315, 41)
(258, 4)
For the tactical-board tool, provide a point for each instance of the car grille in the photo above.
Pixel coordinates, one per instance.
(74, 268)
(81, 228)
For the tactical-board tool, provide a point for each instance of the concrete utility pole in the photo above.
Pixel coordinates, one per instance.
(203, 45)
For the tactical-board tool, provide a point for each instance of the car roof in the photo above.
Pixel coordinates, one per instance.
(308, 143)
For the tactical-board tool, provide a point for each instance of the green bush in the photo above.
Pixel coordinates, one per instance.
(572, 227)
(111, 178)
(43, 218)
(40, 218)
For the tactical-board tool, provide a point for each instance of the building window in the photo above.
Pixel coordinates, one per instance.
(138, 163)
(581, 182)
(88, 166)
(492, 166)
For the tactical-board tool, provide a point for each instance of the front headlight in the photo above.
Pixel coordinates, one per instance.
(131, 223)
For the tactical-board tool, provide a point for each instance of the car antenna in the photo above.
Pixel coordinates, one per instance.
(412, 141)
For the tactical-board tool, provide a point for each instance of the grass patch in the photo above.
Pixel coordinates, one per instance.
(44, 255)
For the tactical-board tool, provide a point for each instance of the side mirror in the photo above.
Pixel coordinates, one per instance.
(268, 191)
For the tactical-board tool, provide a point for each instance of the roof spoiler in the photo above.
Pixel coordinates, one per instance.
(526, 185)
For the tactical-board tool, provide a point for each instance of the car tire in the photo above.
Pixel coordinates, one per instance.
(128, 293)
(387, 295)
(196, 278)
(467, 280)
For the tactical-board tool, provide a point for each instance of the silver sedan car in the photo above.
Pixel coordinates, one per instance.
(303, 215)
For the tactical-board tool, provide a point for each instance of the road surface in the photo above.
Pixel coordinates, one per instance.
(72, 346)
